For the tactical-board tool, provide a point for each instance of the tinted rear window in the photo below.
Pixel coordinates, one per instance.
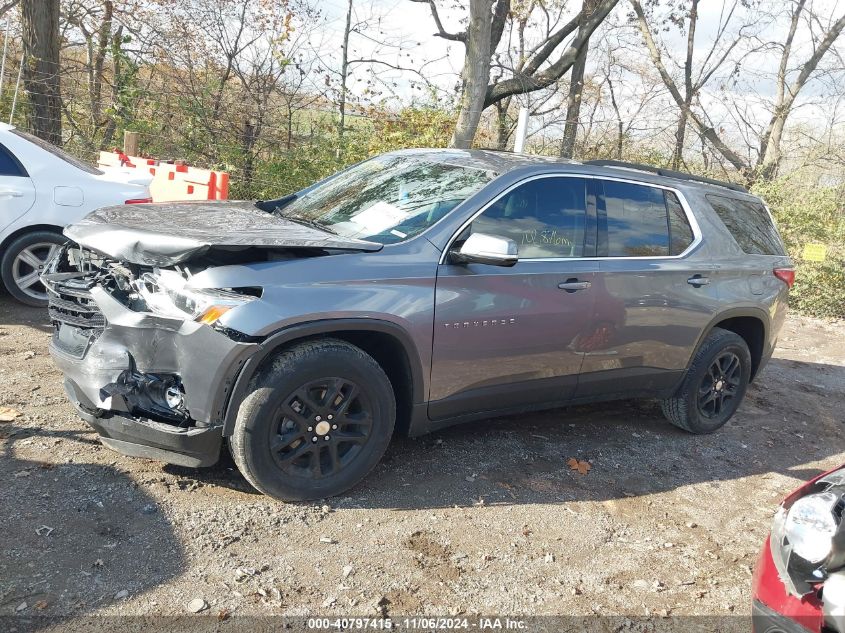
(749, 223)
(8, 165)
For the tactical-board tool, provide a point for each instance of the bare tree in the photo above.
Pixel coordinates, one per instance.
(769, 155)
(576, 88)
(481, 39)
(694, 80)
(41, 70)
(787, 91)
(7, 6)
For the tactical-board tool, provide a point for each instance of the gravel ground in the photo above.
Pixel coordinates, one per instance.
(482, 518)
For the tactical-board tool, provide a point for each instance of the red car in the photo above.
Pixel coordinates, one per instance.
(799, 582)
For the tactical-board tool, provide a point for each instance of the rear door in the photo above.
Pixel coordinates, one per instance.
(508, 337)
(17, 193)
(653, 294)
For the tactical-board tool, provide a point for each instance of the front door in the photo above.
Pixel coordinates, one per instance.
(509, 337)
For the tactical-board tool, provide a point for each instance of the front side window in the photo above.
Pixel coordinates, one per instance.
(545, 217)
(389, 198)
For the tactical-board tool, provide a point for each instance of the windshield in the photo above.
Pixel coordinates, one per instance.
(387, 199)
(55, 151)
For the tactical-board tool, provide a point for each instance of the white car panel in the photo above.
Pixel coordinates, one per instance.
(55, 189)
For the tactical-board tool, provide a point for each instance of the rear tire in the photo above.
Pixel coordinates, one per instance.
(24, 260)
(714, 385)
(315, 422)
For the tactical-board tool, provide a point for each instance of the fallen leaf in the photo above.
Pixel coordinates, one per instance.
(583, 467)
(7, 414)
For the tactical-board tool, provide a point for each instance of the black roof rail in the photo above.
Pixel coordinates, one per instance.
(666, 172)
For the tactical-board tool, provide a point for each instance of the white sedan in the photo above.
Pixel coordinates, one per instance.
(42, 190)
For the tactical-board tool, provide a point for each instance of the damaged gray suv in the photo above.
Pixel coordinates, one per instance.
(408, 292)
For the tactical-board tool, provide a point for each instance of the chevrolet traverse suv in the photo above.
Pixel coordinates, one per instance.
(408, 292)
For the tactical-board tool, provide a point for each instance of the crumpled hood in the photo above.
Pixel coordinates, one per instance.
(170, 233)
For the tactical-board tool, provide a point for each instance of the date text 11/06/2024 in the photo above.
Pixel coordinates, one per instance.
(423, 623)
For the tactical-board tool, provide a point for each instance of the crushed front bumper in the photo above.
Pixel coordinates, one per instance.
(203, 360)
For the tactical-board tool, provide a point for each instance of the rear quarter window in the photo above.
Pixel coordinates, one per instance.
(749, 223)
(9, 165)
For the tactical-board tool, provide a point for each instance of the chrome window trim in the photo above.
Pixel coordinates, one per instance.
(693, 222)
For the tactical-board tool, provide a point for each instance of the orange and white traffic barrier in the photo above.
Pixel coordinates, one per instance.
(173, 182)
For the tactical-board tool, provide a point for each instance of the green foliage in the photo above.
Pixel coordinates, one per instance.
(284, 171)
(811, 214)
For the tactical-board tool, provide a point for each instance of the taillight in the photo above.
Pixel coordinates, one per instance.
(786, 275)
(138, 201)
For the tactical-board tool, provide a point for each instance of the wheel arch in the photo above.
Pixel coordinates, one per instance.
(752, 324)
(388, 343)
(30, 228)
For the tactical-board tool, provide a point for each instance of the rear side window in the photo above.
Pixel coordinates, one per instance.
(641, 221)
(9, 166)
(680, 232)
(749, 223)
(545, 217)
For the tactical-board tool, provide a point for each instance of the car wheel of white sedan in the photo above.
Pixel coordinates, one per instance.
(24, 261)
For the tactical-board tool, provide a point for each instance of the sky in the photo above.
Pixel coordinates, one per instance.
(408, 28)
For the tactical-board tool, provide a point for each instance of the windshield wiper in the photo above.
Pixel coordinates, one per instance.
(271, 206)
(311, 224)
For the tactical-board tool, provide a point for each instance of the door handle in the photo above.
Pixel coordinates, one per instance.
(698, 281)
(573, 285)
(11, 193)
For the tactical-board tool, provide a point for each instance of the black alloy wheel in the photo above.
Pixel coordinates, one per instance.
(320, 428)
(721, 383)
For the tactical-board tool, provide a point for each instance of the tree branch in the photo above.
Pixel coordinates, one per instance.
(441, 32)
(530, 79)
(707, 131)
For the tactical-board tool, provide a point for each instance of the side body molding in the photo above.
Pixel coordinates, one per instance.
(326, 327)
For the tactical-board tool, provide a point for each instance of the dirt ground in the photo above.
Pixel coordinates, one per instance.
(482, 518)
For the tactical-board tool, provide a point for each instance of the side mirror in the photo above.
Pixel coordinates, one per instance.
(480, 248)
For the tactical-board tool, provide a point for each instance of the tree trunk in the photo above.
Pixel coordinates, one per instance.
(770, 154)
(573, 103)
(576, 87)
(344, 71)
(40, 29)
(503, 128)
(476, 73)
(620, 128)
(680, 134)
(95, 86)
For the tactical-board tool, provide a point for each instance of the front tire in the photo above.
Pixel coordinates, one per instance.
(315, 422)
(714, 386)
(23, 262)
